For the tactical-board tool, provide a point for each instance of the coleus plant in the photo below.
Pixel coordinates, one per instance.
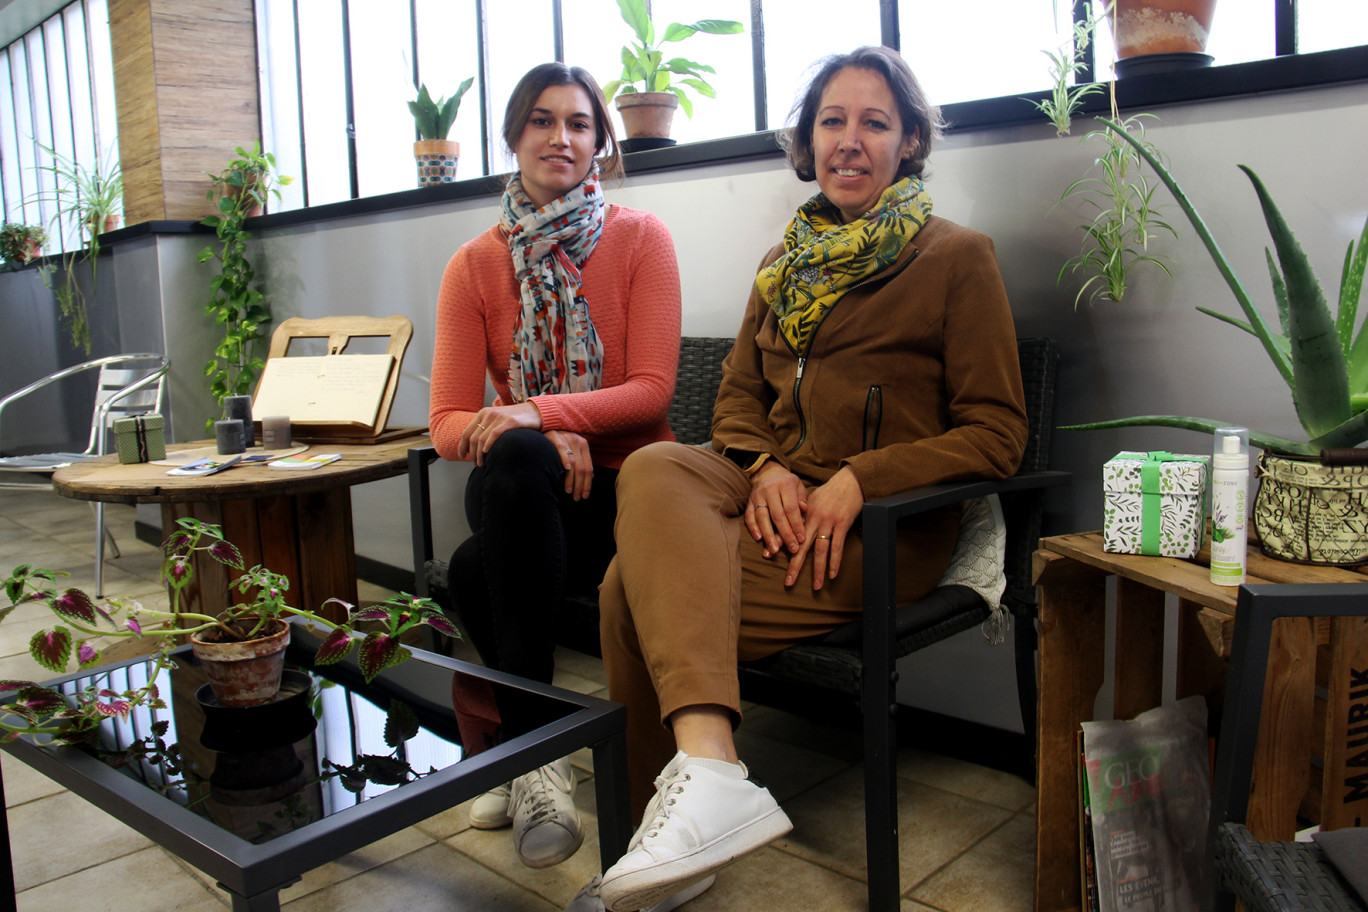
(27, 707)
(1318, 354)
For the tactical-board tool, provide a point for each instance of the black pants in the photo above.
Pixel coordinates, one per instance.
(531, 546)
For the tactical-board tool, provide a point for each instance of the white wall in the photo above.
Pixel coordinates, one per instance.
(1152, 354)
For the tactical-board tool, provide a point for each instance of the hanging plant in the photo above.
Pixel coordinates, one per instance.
(87, 201)
(236, 301)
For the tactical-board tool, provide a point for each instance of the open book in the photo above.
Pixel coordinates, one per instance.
(324, 389)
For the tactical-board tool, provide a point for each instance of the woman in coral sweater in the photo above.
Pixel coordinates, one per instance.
(570, 306)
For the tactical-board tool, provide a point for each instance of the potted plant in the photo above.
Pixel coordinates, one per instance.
(1325, 365)
(87, 199)
(235, 302)
(436, 155)
(20, 243)
(648, 110)
(30, 708)
(1155, 36)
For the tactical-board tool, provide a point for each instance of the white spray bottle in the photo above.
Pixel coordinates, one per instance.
(1229, 506)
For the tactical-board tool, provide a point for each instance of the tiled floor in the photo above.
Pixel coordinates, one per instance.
(967, 831)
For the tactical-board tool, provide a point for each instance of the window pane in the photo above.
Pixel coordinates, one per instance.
(732, 112)
(448, 55)
(519, 38)
(793, 44)
(382, 84)
(1326, 24)
(100, 73)
(11, 186)
(1007, 38)
(325, 110)
(278, 89)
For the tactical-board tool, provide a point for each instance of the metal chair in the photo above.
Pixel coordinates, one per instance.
(1268, 876)
(125, 385)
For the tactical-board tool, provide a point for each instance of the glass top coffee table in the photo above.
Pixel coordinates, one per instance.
(255, 797)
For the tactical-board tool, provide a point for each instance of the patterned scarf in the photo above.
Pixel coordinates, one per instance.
(823, 258)
(555, 346)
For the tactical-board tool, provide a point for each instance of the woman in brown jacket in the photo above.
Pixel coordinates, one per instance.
(877, 354)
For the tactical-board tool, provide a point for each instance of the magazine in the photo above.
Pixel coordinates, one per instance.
(317, 460)
(1149, 792)
(207, 466)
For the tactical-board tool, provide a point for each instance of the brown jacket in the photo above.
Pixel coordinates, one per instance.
(911, 379)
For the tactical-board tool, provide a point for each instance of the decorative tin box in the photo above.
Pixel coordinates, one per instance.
(1154, 503)
(141, 438)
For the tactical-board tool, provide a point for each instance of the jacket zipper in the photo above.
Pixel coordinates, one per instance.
(873, 417)
(802, 359)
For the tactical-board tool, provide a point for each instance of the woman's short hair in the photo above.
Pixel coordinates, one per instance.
(917, 114)
(539, 79)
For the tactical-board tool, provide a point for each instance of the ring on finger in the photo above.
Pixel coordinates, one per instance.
(819, 535)
(762, 506)
(478, 425)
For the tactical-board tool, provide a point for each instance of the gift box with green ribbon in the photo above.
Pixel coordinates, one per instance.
(141, 438)
(1155, 503)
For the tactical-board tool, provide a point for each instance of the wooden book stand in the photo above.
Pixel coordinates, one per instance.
(339, 331)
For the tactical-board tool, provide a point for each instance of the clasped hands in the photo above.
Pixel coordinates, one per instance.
(784, 516)
(492, 422)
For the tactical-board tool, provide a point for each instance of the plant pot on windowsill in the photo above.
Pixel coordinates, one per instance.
(107, 224)
(646, 119)
(437, 159)
(1155, 36)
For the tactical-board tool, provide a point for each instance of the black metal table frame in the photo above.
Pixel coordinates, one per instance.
(254, 874)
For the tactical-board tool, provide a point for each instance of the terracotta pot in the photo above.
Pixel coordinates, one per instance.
(243, 673)
(33, 251)
(1161, 26)
(647, 114)
(437, 159)
(255, 208)
(111, 222)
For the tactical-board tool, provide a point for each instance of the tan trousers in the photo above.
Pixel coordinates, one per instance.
(690, 593)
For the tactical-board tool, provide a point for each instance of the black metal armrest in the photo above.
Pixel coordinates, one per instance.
(898, 506)
(420, 512)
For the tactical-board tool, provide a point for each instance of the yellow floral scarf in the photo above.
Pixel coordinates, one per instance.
(824, 258)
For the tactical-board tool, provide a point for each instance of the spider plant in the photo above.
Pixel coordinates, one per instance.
(1065, 63)
(1117, 238)
(1318, 355)
(85, 199)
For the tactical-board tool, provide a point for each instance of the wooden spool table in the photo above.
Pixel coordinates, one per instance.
(298, 523)
(1310, 758)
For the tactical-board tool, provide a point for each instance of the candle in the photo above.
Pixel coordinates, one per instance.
(240, 407)
(229, 435)
(275, 432)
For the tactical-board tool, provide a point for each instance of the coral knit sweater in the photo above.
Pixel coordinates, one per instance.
(631, 282)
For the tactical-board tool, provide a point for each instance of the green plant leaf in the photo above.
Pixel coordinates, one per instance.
(635, 15)
(1321, 380)
(401, 723)
(1205, 425)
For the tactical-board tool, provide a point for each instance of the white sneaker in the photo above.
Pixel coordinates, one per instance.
(588, 899)
(490, 810)
(708, 815)
(546, 825)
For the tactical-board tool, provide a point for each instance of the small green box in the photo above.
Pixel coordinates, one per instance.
(141, 438)
(1155, 503)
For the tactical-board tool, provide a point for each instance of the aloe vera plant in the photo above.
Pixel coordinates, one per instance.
(1318, 355)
